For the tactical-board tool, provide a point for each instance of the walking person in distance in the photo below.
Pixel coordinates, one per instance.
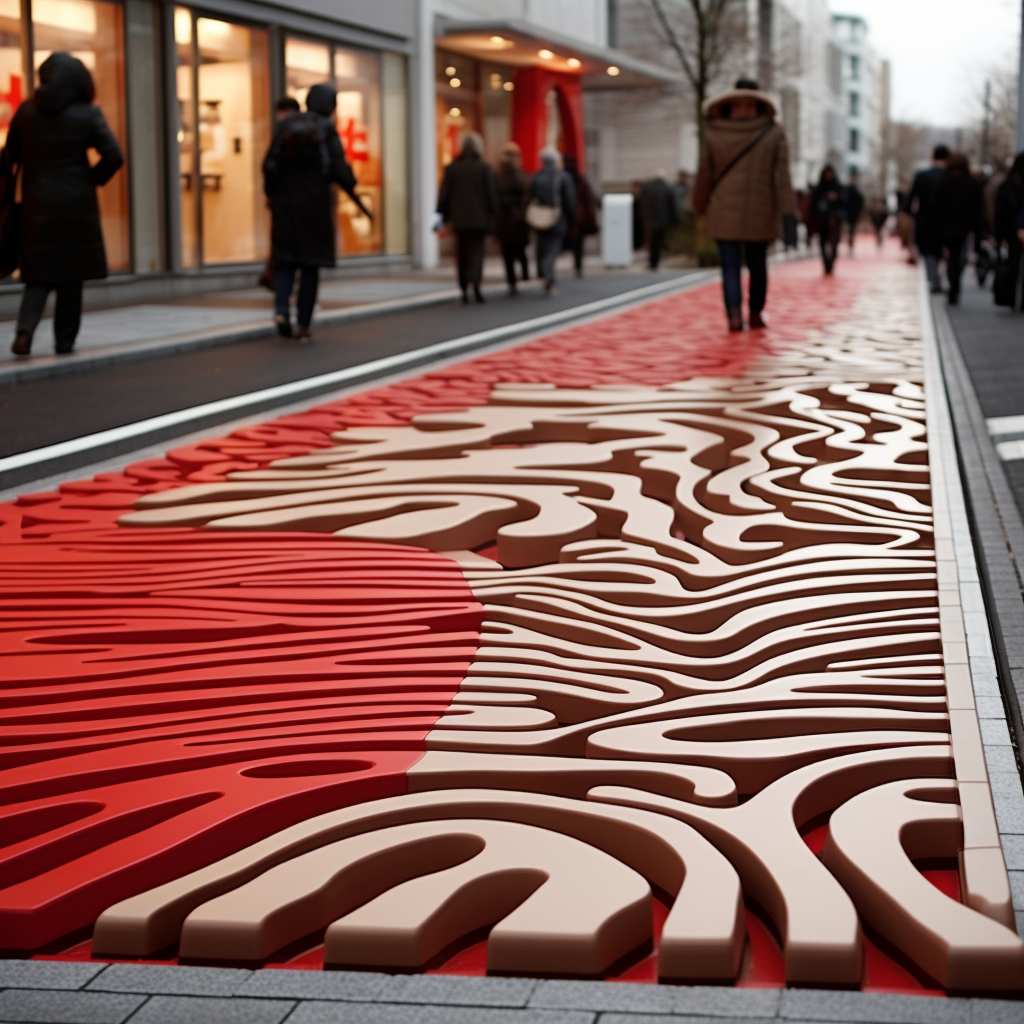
(918, 204)
(853, 203)
(956, 207)
(658, 203)
(1009, 209)
(584, 222)
(60, 239)
(743, 189)
(829, 214)
(552, 208)
(305, 159)
(510, 226)
(468, 200)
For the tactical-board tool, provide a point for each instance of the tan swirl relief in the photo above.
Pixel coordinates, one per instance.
(713, 617)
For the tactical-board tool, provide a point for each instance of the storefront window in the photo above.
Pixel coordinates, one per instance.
(223, 136)
(357, 75)
(93, 31)
(305, 64)
(458, 104)
(12, 75)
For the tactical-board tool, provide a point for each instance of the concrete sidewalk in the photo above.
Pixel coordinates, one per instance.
(200, 321)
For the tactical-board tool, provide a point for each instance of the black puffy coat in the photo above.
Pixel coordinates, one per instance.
(468, 199)
(49, 140)
(302, 206)
(956, 205)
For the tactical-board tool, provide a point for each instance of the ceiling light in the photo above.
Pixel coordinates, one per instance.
(613, 71)
(508, 86)
(545, 54)
(455, 83)
(455, 112)
(497, 40)
(573, 63)
(449, 71)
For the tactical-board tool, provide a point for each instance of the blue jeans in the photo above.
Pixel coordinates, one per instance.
(732, 255)
(284, 281)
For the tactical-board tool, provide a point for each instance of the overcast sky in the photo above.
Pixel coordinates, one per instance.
(940, 50)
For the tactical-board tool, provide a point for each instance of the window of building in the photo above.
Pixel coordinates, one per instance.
(12, 73)
(854, 104)
(854, 146)
(854, 66)
(223, 87)
(93, 31)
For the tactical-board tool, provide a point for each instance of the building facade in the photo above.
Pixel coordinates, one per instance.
(865, 92)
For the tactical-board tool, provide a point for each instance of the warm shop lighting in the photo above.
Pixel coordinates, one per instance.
(613, 71)
(455, 83)
(449, 71)
(508, 86)
(545, 54)
(574, 63)
(495, 80)
(455, 112)
(498, 40)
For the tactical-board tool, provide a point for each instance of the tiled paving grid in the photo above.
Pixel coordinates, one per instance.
(51, 992)
(956, 556)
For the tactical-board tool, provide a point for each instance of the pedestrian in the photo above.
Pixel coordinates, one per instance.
(285, 105)
(1009, 210)
(305, 159)
(879, 214)
(60, 238)
(468, 200)
(853, 200)
(744, 190)
(829, 214)
(659, 212)
(513, 185)
(636, 187)
(918, 205)
(552, 208)
(584, 223)
(956, 209)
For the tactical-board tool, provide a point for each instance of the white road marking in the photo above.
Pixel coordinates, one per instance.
(1010, 450)
(350, 374)
(1012, 428)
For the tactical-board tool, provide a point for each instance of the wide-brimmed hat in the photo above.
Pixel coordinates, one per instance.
(732, 95)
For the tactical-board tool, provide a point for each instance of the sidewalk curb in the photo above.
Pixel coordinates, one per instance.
(997, 526)
(53, 366)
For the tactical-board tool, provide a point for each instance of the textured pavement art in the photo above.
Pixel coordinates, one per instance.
(630, 653)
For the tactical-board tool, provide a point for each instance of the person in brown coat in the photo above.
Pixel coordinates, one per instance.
(743, 188)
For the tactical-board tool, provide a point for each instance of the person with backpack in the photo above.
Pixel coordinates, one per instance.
(59, 240)
(829, 214)
(552, 208)
(510, 221)
(956, 209)
(744, 190)
(305, 159)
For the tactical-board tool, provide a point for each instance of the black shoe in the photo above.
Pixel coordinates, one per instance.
(757, 321)
(284, 325)
(68, 350)
(513, 290)
(954, 299)
(479, 294)
(465, 297)
(302, 333)
(735, 319)
(22, 344)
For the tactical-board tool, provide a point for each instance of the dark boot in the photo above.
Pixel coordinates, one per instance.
(479, 294)
(22, 344)
(283, 324)
(757, 321)
(735, 319)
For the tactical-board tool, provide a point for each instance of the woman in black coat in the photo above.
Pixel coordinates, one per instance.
(305, 159)
(955, 208)
(61, 240)
(829, 214)
(510, 222)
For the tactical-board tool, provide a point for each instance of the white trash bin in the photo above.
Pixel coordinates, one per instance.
(617, 229)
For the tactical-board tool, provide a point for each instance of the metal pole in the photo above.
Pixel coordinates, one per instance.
(985, 124)
(1020, 86)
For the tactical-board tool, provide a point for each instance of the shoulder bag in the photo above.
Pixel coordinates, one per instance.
(542, 217)
(740, 155)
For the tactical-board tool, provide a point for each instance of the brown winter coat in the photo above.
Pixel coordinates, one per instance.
(747, 205)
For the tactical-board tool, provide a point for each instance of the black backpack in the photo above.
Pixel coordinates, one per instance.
(301, 142)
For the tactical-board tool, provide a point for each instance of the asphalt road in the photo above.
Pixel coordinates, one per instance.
(992, 342)
(45, 411)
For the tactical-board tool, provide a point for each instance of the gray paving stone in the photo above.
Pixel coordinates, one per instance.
(451, 990)
(46, 973)
(163, 979)
(355, 986)
(196, 1010)
(1013, 852)
(995, 732)
(715, 1001)
(602, 995)
(996, 1011)
(1009, 801)
(1017, 891)
(53, 1007)
(1000, 759)
(822, 1005)
(630, 1018)
(393, 1013)
(990, 707)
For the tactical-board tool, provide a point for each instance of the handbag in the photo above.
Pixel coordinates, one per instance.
(1004, 287)
(542, 217)
(10, 227)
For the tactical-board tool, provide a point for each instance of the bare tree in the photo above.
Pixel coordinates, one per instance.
(705, 36)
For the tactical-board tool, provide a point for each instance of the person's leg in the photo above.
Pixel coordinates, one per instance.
(1016, 260)
(577, 254)
(462, 261)
(284, 281)
(756, 255)
(33, 302)
(955, 266)
(67, 316)
(852, 227)
(509, 255)
(729, 256)
(476, 261)
(931, 268)
(306, 303)
(826, 252)
(657, 240)
(524, 260)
